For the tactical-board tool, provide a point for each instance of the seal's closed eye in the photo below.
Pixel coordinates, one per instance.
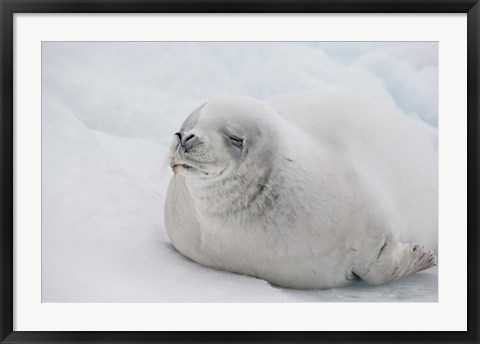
(236, 141)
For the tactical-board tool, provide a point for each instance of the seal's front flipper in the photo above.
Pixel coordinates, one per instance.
(394, 260)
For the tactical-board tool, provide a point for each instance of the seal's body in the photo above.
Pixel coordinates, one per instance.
(301, 192)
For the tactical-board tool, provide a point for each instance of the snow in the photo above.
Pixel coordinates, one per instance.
(109, 111)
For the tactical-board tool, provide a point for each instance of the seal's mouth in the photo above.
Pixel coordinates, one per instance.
(175, 165)
(181, 165)
(178, 166)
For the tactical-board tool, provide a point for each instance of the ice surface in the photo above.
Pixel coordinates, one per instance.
(109, 110)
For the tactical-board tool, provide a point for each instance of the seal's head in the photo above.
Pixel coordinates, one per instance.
(226, 135)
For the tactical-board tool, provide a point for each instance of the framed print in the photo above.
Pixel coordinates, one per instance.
(261, 171)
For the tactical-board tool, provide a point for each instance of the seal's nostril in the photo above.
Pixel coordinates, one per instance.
(179, 135)
(191, 136)
(183, 140)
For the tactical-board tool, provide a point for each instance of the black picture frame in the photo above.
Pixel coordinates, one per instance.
(7, 10)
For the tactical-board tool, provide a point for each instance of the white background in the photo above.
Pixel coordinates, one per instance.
(32, 315)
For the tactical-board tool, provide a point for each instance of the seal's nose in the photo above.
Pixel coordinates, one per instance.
(185, 141)
(187, 138)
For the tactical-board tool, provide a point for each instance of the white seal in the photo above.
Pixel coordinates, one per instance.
(305, 190)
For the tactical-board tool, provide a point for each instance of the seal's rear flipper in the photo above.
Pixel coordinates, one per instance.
(395, 260)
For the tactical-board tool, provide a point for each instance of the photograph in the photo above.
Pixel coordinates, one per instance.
(239, 171)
